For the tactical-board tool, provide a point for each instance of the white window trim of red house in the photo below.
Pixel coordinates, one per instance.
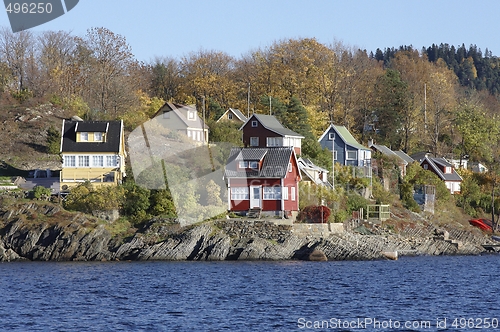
(271, 193)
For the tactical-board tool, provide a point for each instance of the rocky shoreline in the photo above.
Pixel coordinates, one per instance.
(35, 232)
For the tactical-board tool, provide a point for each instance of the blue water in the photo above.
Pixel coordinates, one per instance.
(252, 296)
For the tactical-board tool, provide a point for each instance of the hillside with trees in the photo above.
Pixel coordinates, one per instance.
(442, 99)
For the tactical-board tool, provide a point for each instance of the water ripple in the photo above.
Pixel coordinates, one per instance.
(244, 296)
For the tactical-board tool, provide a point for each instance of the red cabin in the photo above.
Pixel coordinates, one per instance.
(266, 179)
(265, 131)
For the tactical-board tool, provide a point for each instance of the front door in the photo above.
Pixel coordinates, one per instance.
(255, 197)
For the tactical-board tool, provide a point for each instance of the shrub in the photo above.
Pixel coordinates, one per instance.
(356, 202)
(40, 192)
(314, 214)
(53, 140)
(86, 199)
(22, 95)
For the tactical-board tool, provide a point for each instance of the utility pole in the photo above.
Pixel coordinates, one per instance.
(203, 128)
(425, 107)
(333, 158)
(248, 101)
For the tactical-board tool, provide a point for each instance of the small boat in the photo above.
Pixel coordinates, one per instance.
(482, 224)
(495, 238)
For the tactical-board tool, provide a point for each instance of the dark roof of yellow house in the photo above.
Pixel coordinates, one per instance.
(112, 129)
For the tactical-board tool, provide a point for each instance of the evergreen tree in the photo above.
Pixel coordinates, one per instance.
(53, 140)
(295, 118)
(277, 108)
(391, 105)
(214, 110)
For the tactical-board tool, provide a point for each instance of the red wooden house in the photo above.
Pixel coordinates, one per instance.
(445, 171)
(264, 131)
(266, 179)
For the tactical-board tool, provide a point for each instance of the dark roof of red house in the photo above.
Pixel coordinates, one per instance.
(274, 162)
(270, 122)
(111, 128)
(435, 163)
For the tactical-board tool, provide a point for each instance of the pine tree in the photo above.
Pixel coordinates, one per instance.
(295, 118)
(53, 140)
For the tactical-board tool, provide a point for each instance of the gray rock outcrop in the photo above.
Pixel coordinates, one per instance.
(39, 232)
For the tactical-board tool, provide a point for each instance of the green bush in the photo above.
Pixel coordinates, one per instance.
(86, 198)
(53, 140)
(23, 95)
(356, 202)
(39, 192)
(406, 191)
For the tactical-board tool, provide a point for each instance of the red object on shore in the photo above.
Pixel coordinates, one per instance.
(483, 224)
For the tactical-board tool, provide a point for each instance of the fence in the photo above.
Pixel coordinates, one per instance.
(378, 212)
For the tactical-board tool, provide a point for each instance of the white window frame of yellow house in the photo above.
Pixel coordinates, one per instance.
(98, 161)
(98, 137)
(69, 161)
(84, 136)
(111, 161)
(83, 161)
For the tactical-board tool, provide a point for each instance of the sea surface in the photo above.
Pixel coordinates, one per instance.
(453, 293)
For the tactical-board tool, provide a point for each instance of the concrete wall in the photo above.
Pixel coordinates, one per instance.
(323, 230)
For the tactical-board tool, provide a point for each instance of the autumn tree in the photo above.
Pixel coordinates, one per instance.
(441, 100)
(207, 74)
(415, 72)
(165, 78)
(110, 59)
(16, 50)
(55, 58)
(475, 131)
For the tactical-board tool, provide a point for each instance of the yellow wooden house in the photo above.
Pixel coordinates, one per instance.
(92, 151)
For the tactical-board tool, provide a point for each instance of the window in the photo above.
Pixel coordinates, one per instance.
(273, 141)
(83, 161)
(98, 161)
(335, 155)
(248, 164)
(331, 136)
(254, 124)
(285, 193)
(98, 137)
(69, 161)
(426, 166)
(191, 115)
(84, 136)
(272, 192)
(352, 155)
(447, 170)
(289, 167)
(292, 193)
(111, 161)
(230, 116)
(240, 193)
(254, 141)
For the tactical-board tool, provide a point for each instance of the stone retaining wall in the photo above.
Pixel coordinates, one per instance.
(253, 228)
(318, 230)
